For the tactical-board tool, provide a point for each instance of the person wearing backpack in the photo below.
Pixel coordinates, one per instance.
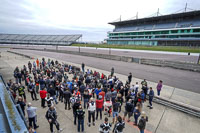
(91, 111)
(142, 122)
(119, 126)
(105, 127)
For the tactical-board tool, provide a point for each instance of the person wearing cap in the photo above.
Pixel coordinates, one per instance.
(142, 122)
(31, 111)
(99, 107)
(91, 111)
(51, 116)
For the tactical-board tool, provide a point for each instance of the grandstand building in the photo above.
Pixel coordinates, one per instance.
(39, 39)
(181, 29)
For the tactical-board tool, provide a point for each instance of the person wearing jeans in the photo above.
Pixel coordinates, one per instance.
(159, 87)
(99, 106)
(80, 115)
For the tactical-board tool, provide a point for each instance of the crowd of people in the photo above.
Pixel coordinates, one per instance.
(87, 90)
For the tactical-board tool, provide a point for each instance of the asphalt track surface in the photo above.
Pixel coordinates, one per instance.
(186, 80)
(170, 56)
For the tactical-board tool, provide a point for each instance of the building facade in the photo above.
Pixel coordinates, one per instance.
(182, 29)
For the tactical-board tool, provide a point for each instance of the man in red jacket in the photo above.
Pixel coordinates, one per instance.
(43, 94)
(99, 106)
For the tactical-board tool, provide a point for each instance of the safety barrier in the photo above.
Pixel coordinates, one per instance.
(14, 122)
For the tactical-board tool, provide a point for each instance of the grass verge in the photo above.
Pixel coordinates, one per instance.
(152, 48)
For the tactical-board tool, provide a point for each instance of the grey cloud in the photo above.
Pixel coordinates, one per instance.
(15, 18)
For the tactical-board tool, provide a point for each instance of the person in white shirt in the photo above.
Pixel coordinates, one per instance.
(91, 111)
(136, 88)
(31, 111)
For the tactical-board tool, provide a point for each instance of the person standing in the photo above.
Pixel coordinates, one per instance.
(159, 87)
(51, 116)
(31, 89)
(142, 122)
(151, 95)
(105, 127)
(83, 67)
(136, 115)
(52, 93)
(119, 126)
(86, 98)
(128, 109)
(112, 71)
(43, 94)
(67, 95)
(21, 91)
(91, 112)
(22, 104)
(80, 115)
(99, 106)
(116, 106)
(31, 111)
(29, 66)
(129, 78)
(75, 108)
(37, 63)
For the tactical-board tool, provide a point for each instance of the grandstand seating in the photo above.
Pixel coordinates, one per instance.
(39, 39)
(182, 24)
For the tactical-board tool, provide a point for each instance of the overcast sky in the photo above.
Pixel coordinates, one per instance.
(87, 17)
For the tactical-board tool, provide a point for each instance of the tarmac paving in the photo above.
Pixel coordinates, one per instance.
(160, 55)
(186, 80)
(161, 118)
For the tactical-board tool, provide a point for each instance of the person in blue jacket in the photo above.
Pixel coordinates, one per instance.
(151, 95)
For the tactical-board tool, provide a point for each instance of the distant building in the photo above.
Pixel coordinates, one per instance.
(182, 29)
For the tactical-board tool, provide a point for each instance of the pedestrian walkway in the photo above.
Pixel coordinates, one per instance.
(161, 119)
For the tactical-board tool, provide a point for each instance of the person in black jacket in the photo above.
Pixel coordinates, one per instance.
(22, 104)
(75, 108)
(51, 116)
(52, 93)
(119, 126)
(128, 109)
(129, 78)
(67, 94)
(142, 122)
(80, 115)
